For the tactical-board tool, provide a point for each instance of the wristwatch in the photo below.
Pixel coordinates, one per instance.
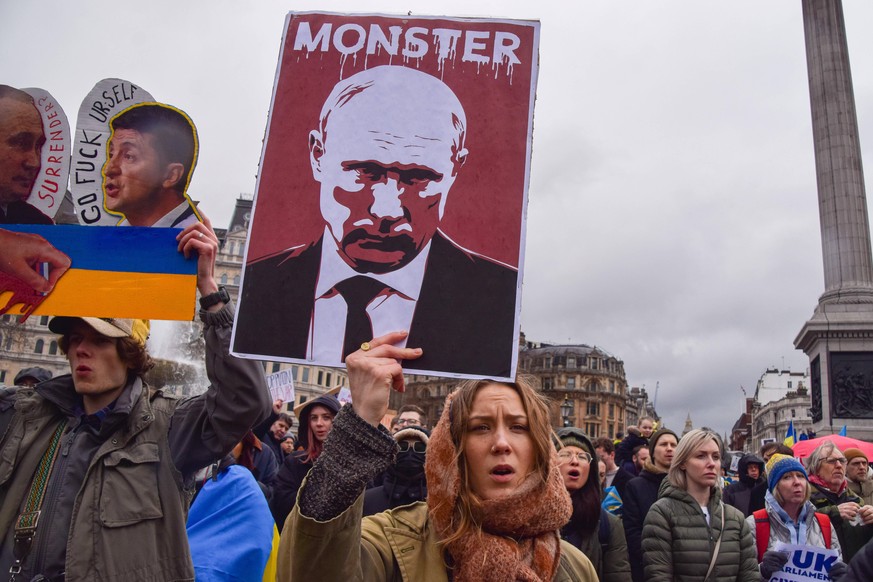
(215, 298)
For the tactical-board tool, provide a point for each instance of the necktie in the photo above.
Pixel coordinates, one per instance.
(358, 291)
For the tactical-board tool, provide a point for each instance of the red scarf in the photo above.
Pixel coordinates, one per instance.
(824, 485)
(518, 535)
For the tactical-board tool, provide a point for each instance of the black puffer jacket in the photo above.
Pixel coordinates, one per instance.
(678, 543)
(641, 492)
(739, 494)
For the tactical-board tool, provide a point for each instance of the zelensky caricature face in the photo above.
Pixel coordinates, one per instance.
(21, 141)
(134, 172)
(388, 149)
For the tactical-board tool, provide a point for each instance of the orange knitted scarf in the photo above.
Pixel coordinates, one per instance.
(518, 537)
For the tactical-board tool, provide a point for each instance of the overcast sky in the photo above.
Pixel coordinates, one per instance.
(672, 216)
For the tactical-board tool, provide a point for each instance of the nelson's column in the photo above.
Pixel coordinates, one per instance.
(839, 337)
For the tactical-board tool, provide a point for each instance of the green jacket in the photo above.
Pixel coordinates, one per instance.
(852, 537)
(396, 545)
(129, 511)
(678, 544)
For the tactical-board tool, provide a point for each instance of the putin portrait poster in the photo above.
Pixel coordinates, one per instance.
(392, 192)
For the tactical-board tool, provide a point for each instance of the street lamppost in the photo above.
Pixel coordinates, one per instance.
(566, 411)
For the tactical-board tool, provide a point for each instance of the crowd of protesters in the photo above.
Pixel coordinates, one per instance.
(98, 472)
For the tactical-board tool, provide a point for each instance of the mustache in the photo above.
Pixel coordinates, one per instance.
(389, 243)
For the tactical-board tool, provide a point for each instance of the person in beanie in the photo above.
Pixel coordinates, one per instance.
(641, 492)
(119, 455)
(751, 473)
(790, 518)
(404, 482)
(592, 529)
(857, 477)
(316, 422)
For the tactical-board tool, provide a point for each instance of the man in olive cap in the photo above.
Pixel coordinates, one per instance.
(97, 468)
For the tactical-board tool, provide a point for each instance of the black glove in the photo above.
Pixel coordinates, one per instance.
(837, 571)
(772, 563)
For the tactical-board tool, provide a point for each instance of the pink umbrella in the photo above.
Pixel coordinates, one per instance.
(803, 449)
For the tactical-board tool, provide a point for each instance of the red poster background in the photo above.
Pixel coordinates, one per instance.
(485, 206)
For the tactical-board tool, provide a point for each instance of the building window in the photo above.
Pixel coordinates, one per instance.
(547, 383)
(53, 348)
(327, 379)
(593, 429)
(8, 342)
(571, 361)
(571, 382)
(236, 280)
(793, 413)
(593, 363)
(611, 431)
(789, 384)
(320, 378)
(44, 320)
(611, 412)
(275, 367)
(593, 408)
(224, 278)
(294, 372)
(612, 386)
(548, 362)
(39, 346)
(2, 376)
(594, 386)
(305, 375)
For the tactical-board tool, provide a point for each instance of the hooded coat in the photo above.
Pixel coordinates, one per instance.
(295, 466)
(609, 559)
(739, 494)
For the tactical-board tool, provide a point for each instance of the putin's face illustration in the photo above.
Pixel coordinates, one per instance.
(389, 147)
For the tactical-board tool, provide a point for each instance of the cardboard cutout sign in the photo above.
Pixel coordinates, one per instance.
(392, 192)
(133, 159)
(66, 270)
(35, 134)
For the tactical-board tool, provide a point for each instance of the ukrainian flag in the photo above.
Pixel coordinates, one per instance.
(127, 272)
(791, 435)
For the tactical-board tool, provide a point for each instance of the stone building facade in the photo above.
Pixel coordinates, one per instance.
(770, 421)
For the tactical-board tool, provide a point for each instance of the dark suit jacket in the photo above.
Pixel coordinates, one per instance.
(464, 318)
(23, 213)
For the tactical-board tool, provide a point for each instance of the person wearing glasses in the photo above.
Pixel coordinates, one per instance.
(403, 482)
(409, 415)
(852, 520)
(592, 529)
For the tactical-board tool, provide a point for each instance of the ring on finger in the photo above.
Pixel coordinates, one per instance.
(199, 235)
(365, 347)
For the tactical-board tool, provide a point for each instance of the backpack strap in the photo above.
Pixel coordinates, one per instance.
(824, 523)
(762, 532)
(603, 531)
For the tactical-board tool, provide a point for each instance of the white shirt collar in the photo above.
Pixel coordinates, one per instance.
(406, 280)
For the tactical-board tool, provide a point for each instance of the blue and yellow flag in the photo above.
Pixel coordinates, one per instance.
(127, 272)
(791, 435)
(612, 501)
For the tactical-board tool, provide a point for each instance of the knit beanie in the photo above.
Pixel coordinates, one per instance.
(853, 453)
(778, 465)
(653, 440)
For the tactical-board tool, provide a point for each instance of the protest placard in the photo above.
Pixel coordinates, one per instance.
(805, 563)
(391, 192)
